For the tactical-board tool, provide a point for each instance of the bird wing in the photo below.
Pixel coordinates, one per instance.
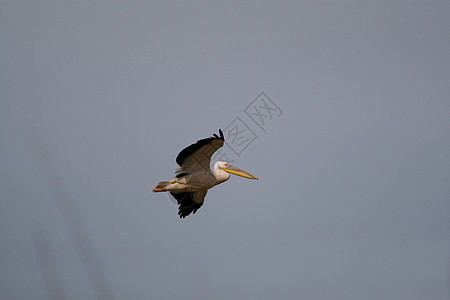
(189, 202)
(197, 157)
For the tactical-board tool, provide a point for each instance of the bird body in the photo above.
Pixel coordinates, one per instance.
(194, 177)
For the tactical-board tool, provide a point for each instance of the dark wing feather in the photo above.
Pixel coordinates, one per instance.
(202, 150)
(189, 202)
(181, 174)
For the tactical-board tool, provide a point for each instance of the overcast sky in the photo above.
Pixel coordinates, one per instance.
(352, 149)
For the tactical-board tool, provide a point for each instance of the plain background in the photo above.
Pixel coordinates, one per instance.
(98, 97)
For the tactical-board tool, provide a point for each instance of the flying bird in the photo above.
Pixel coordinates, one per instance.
(194, 177)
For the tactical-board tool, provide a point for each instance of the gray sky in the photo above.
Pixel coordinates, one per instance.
(98, 98)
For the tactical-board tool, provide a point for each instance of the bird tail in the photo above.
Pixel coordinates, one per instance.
(160, 186)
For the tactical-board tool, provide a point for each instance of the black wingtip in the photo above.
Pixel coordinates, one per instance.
(221, 135)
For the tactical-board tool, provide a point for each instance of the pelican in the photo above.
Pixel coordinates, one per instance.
(194, 177)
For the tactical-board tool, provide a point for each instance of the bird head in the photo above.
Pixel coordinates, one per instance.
(233, 170)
